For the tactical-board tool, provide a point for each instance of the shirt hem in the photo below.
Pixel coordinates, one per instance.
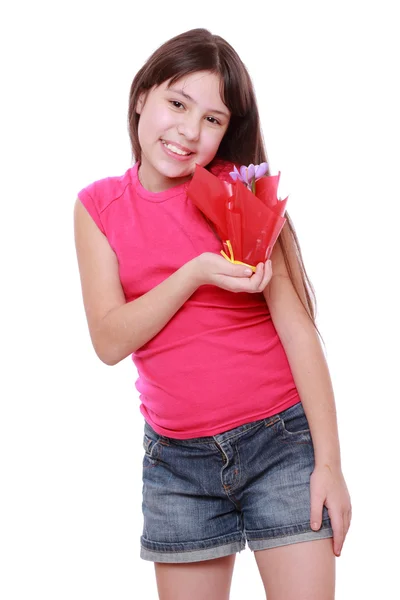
(195, 433)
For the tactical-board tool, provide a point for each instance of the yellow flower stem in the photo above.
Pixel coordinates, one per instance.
(232, 258)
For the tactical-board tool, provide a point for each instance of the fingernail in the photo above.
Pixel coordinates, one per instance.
(248, 272)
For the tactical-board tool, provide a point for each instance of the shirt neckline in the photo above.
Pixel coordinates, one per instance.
(171, 192)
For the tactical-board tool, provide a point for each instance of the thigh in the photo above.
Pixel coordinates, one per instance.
(303, 571)
(205, 580)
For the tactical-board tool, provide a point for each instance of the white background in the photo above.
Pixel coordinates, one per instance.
(326, 77)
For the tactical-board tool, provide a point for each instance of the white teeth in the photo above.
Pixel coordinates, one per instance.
(176, 150)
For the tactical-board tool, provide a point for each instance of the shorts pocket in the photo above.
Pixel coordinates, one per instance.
(294, 426)
(152, 452)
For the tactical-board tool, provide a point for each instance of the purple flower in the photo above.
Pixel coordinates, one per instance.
(261, 170)
(249, 175)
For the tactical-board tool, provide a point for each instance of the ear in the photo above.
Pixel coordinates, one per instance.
(140, 103)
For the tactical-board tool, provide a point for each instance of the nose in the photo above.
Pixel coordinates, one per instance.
(189, 127)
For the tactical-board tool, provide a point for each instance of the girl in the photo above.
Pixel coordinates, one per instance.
(240, 436)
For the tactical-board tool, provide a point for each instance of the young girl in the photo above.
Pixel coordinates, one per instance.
(240, 434)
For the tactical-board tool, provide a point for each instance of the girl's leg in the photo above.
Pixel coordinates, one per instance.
(204, 580)
(302, 571)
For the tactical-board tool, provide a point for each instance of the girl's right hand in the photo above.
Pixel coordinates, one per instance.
(213, 269)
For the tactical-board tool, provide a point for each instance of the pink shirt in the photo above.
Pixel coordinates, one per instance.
(218, 363)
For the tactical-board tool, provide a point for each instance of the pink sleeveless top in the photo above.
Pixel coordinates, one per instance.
(218, 363)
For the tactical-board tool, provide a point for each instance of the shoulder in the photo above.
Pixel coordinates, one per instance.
(103, 192)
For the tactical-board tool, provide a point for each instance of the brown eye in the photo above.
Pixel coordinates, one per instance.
(214, 121)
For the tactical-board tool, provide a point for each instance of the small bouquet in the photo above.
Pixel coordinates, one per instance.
(246, 212)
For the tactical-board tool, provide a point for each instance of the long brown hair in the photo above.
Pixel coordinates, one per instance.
(242, 144)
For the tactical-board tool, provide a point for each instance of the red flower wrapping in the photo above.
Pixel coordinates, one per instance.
(248, 224)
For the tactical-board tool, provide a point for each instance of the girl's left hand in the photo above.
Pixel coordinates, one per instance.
(329, 487)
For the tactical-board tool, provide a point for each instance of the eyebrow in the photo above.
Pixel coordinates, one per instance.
(182, 93)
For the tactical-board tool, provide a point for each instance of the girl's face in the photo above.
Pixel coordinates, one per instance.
(179, 126)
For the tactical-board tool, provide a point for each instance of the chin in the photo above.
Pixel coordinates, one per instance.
(176, 171)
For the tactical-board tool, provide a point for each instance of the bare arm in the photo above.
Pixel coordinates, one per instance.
(118, 328)
(126, 328)
(310, 373)
(306, 359)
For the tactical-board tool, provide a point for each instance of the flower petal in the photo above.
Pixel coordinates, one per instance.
(234, 175)
(243, 174)
(250, 173)
(261, 170)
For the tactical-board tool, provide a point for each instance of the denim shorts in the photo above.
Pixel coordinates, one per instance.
(206, 497)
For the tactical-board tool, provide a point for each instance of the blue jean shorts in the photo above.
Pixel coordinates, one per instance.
(206, 497)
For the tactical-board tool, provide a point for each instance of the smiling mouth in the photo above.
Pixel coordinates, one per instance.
(176, 150)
